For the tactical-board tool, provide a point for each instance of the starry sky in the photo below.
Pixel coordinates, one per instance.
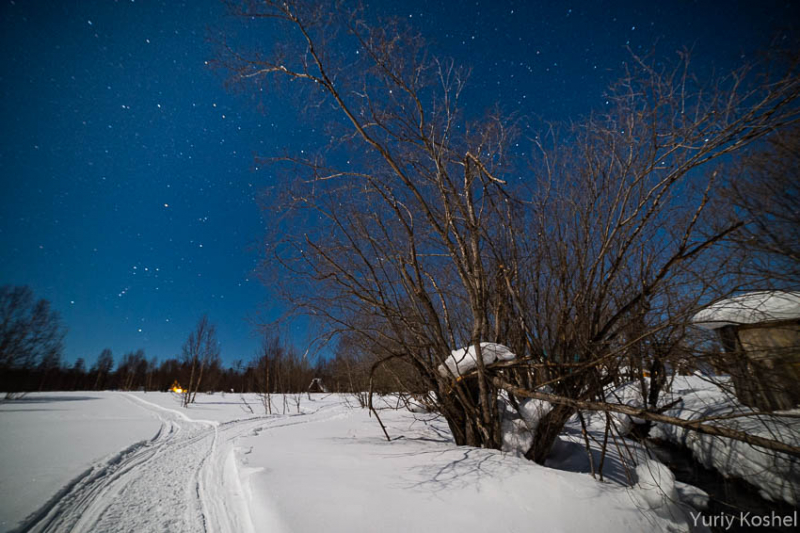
(127, 181)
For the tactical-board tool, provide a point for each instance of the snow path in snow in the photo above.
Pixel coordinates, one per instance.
(183, 479)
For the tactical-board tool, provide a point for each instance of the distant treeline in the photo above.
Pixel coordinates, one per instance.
(32, 346)
(276, 369)
(288, 373)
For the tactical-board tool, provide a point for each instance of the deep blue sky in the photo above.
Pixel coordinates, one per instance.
(126, 170)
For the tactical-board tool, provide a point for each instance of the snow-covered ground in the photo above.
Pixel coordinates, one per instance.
(219, 466)
(48, 440)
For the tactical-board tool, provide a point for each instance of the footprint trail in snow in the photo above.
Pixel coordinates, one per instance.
(182, 480)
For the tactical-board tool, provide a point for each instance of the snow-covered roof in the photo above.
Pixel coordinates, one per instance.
(750, 308)
(462, 360)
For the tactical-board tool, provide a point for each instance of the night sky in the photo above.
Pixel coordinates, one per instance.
(127, 183)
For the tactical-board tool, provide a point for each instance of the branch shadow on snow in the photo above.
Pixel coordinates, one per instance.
(442, 440)
(468, 468)
(570, 456)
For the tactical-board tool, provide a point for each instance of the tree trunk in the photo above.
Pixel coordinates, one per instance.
(547, 432)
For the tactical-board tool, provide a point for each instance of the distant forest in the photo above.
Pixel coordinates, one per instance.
(135, 372)
(32, 344)
(288, 373)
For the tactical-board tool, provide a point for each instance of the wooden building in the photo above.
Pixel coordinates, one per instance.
(760, 334)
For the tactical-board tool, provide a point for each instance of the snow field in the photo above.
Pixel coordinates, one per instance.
(218, 466)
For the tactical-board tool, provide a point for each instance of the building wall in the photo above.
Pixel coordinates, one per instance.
(770, 369)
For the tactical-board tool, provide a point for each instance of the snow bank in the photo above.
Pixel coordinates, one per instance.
(656, 488)
(750, 308)
(694, 496)
(461, 361)
(519, 427)
(776, 475)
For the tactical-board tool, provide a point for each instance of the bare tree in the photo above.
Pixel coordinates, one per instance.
(764, 191)
(621, 239)
(29, 329)
(269, 356)
(132, 370)
(404, 243)
(152, 368)
(200, 351)
(420, 243)
(103, 367)
(31, 336)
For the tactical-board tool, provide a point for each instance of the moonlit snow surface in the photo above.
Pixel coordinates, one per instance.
(323, 465)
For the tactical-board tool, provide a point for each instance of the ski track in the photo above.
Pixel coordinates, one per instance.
(184, 479)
